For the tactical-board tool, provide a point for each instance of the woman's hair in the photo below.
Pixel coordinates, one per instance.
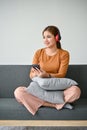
(55, 31)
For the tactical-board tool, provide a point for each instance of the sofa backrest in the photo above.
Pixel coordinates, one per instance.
(12, 76)
(78, 73)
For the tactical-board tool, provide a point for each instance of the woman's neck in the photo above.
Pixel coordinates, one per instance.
(51, 51)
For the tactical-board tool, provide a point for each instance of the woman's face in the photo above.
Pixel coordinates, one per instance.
(49, 39)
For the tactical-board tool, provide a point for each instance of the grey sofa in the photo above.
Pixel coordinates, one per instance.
(12, 76)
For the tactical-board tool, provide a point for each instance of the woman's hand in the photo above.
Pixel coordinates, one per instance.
(40, 73)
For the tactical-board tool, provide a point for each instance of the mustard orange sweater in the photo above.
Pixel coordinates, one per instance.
(55, 65)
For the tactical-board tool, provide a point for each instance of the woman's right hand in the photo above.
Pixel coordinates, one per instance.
(40, 73)
(33, 72)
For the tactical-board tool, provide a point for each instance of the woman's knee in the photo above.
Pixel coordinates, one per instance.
(71, 94)
(18, 91)
(77, 90)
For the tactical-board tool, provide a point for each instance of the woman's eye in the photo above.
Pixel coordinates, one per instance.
(48, 36)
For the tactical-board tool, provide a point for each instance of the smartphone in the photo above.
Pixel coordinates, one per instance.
(36, 66)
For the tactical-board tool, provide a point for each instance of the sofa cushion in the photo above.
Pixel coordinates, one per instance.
(54, 83)
(10, 109)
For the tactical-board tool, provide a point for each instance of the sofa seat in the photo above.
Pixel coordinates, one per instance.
(12, 110)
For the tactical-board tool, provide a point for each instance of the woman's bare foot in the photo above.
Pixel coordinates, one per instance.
(59, 106)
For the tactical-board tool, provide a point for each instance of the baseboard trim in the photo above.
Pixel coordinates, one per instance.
(43, 123)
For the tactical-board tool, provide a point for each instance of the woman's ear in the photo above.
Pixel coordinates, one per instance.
(57, 38)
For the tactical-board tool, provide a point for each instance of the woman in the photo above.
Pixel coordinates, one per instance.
(53, 61)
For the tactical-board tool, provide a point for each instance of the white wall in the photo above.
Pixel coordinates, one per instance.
(22, 22)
